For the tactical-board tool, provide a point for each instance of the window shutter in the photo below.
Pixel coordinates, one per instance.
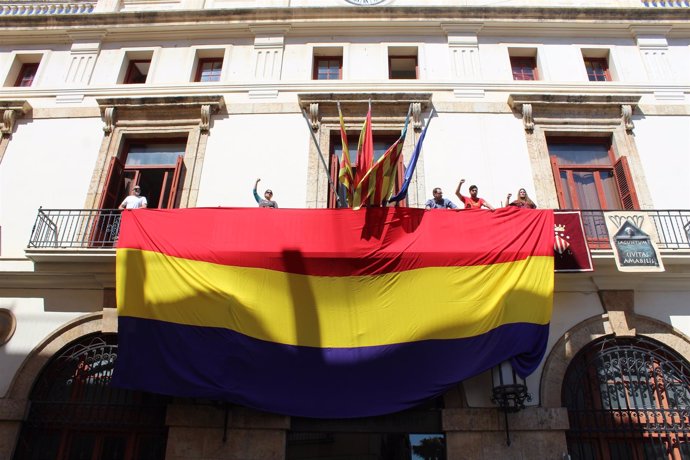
(557, 180)
(626, 188)
(174, 186)
(113, 183)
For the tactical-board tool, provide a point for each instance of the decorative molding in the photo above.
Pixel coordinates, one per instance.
(417, 115)
(8, 117)
(574, 108)
(46, 9)
(314, 115)
(626, 113)
(355, 105)
(205, 122)
(108, 119)
(527, 118)
(173, 108)
(11, 112)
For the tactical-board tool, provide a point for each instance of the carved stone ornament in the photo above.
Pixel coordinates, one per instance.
(626, 113)
(8, 118)
(108, 119)
(417, 115)
(527, 118)
(314, 115)
(205, 122)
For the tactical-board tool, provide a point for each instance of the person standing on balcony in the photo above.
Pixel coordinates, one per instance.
(472, 201)
(134, 200)
(523, 201)
(438, 202)
(267, 201)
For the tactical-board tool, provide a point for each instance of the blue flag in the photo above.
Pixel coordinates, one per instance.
(412, 164)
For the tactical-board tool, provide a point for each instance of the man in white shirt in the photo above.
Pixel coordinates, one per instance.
(134, 200)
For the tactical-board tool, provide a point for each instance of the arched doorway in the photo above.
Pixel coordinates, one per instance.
(628, 398)
(75, 414)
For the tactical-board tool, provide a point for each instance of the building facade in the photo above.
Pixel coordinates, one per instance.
(584, 104)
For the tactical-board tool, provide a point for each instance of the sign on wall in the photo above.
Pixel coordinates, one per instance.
(633, 237)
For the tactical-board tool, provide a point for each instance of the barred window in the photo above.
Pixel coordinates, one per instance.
(628, 398)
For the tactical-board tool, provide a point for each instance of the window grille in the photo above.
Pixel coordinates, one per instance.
(628, 398)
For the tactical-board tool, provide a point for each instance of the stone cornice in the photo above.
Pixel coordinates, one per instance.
(517, 101)
(350, 20)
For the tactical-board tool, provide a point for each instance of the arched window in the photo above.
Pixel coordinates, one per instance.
(75, 414)
(628, 398)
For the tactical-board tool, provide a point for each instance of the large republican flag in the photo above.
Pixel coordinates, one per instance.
(329, 313)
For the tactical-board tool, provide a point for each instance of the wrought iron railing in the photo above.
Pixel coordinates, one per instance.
(672, 228)
(98, 228)
(75, 228)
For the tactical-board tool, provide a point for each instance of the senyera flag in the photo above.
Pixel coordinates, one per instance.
(329, 313)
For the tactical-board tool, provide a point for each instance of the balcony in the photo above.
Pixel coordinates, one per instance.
(74, 234)
(672, 228)
(97, 229)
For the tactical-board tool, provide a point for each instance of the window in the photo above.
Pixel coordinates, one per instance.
(328, 63)
(524, 67)
(24, 70)
(209, 69)
(27, 73)
(156, 166)
(597, 69)
(328, 68)
(381, 143)
(627, 398)
(137, 71)
(75, 413)
(588, 176)
(402, 63)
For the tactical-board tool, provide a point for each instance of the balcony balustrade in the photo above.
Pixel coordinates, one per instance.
(99, 228)
(75, 228)
(42, 8)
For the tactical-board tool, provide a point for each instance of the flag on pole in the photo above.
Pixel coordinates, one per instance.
(345, 175)
(413, 163)
(377, 184)
(365, 149)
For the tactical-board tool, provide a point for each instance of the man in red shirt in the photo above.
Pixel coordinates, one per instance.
(472, 201)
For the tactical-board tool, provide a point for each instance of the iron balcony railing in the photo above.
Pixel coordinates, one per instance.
(99, 228)
(672, 228)
(75, 228)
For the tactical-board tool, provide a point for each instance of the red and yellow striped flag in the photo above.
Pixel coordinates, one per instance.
(377, 184)
(345, 175)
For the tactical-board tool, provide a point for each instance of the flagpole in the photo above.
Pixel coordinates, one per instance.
(323, 161)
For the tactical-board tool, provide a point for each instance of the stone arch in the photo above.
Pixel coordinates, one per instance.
(589, 330)
(24, 379)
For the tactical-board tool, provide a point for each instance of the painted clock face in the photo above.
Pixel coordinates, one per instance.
(365, 2)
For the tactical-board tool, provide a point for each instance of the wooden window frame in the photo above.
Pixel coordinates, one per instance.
(118, 169)
(605, 67)
(619, 168)
(131, 67)
(27, 68)
(524, 61)
(416, 66)
(315, 70)
(199, 68)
